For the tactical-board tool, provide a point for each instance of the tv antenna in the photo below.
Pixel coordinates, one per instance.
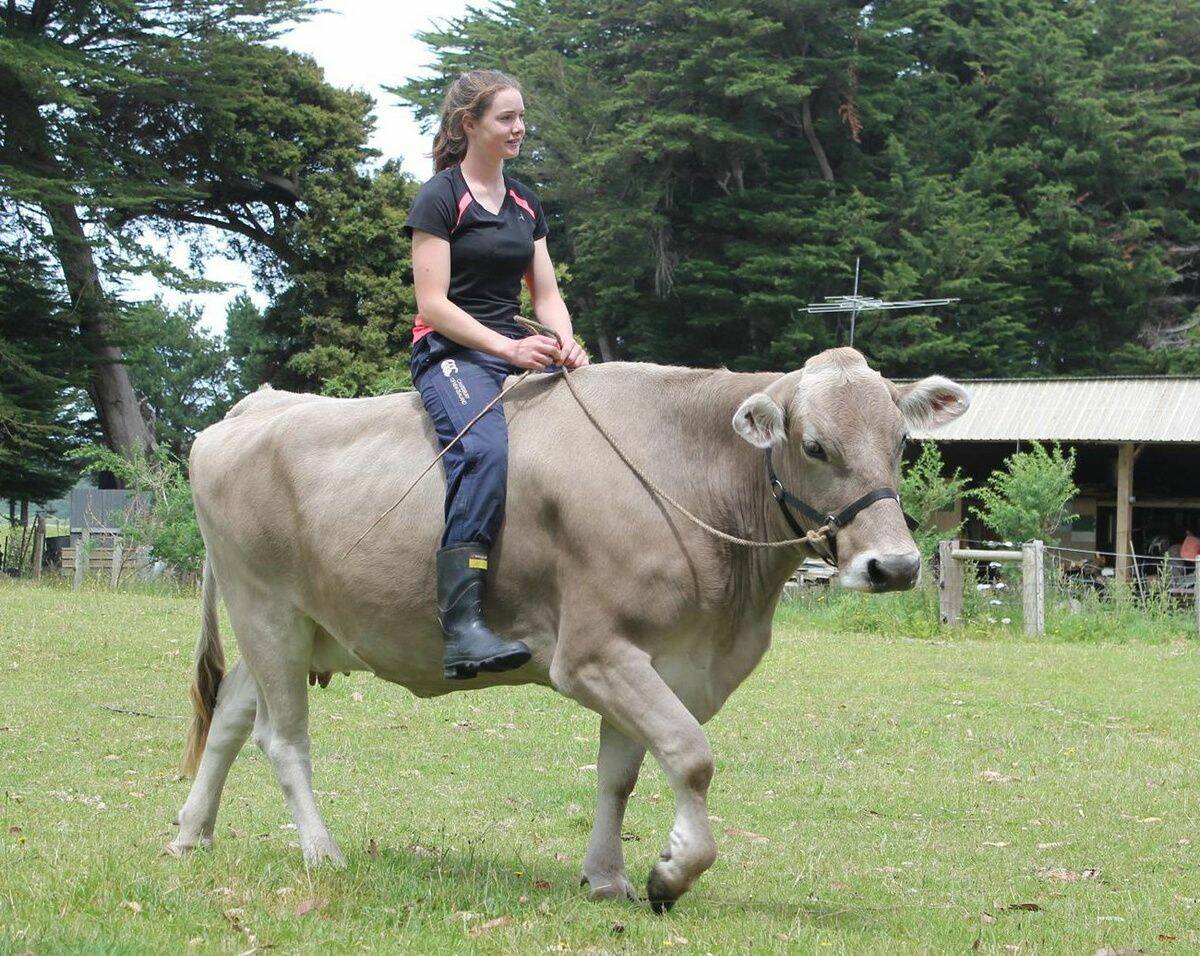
(856, 303)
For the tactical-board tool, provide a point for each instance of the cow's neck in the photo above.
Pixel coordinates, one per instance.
(738, 497)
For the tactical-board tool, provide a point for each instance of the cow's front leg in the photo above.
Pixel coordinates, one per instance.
(618, 681)
(617, 771)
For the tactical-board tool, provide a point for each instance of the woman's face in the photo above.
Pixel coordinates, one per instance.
(498, 133)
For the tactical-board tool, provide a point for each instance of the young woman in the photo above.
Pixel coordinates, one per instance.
(476, 233)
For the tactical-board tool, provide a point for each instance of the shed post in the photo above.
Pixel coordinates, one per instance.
(83, 558)
(1033, 586)
(950, 584)
(39, 545)
(1124, 510)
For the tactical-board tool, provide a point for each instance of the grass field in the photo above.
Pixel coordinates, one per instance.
(873, 795)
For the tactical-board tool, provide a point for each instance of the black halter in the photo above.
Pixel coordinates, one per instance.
(834, 522)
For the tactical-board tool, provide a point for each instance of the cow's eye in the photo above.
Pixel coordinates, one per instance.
(814, 450)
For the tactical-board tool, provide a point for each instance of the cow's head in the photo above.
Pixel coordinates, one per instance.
(836, 429)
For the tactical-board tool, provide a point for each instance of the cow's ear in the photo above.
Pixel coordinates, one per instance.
(932, 402)
(759, 420)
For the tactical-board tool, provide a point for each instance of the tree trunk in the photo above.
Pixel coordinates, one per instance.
(604, 340)
(125, 431)
(810, 134)
(28, 147)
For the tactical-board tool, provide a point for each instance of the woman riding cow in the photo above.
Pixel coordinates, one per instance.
(476, 233)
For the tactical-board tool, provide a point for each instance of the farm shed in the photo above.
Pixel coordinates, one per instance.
(101, 511)
(1137, 443)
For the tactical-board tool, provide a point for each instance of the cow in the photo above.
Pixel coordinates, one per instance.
(630, 608)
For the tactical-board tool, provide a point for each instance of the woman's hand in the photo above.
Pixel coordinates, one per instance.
(534, 352)
(574, 355)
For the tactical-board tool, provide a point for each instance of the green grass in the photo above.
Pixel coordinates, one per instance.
(862, 762)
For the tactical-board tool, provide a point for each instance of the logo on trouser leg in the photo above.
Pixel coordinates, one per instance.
(450, 370)
(478, 562)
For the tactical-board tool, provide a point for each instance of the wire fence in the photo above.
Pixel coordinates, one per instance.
(1083, 595)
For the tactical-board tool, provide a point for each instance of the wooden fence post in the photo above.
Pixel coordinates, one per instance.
(1033, 586)
(83, 558)
(118, 557)
(39, 545)
(1196, 595)
(950, 584)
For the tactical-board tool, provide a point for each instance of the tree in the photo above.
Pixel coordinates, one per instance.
(251, 348)
(182, 372)
(709, 170)
(1029, 498)
(350, 303)
(38, 360)
(160, 114)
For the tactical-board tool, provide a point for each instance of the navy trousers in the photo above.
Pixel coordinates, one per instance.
(455, 384)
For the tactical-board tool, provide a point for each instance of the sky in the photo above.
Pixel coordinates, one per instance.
(364, 44)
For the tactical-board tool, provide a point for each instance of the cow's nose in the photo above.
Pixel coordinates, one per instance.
(894, 572)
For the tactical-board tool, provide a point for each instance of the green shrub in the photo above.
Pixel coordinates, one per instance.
(1029, 497)
(924, 490)
(165, 522)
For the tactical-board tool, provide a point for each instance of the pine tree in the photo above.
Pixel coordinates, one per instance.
(39, 351)
(709, 170)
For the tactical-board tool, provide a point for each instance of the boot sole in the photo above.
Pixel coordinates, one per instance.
(465, 670)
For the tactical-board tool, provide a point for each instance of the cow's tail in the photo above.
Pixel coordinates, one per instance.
(210, 668)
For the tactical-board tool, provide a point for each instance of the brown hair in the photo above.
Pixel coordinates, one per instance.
(471, 94)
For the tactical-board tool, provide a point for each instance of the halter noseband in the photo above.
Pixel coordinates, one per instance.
(832, 522)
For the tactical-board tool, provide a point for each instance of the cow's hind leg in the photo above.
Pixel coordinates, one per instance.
(617, 771)
(276, 644)
(231, 722)
(619, 682)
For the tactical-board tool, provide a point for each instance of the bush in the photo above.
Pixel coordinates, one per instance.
(1028, 498)
(165, 522)
(924, 491)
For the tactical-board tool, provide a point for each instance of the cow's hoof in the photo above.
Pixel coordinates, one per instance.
(179, 848)
(325, 853)
(608, 887)
(659, 891)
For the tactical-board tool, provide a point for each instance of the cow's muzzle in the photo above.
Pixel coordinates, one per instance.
(874, 571)
(833, 522)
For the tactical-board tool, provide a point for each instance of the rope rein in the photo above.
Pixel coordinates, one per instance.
(815, 538)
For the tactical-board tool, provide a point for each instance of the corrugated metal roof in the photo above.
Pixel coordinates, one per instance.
(1125, 409)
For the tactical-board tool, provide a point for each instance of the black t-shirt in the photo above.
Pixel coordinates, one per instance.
(489, 254)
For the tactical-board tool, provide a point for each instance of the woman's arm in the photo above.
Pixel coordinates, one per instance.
(548, 305)
(431, 281)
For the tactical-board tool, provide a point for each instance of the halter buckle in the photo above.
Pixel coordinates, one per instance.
(777, 491)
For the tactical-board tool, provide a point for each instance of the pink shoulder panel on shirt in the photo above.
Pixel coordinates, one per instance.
(463, 203)
(522, 203)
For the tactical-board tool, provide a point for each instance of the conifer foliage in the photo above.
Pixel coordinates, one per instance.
(711, 168)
